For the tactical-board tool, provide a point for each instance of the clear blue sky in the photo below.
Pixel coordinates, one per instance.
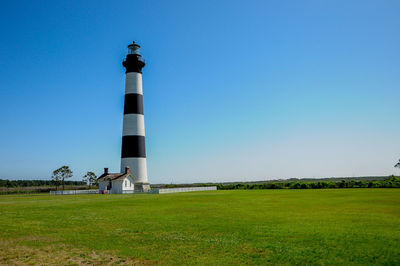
(233, 90)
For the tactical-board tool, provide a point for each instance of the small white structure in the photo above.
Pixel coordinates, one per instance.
(116, 183)
(183, 189)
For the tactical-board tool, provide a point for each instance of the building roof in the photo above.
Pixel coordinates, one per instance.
(106, 176)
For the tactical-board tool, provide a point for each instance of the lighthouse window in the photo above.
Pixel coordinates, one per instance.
(134, 50)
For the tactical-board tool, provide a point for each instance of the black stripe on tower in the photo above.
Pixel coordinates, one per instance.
(133, 146)
(133, 103)
(133, 63)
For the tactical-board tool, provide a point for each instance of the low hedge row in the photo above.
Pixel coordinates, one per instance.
(391, 182)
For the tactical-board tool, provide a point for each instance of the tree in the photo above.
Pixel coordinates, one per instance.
(397, 164)
(90, 178)
(61, 174)
(56, 179)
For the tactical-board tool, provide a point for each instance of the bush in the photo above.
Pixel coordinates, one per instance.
(304, 186)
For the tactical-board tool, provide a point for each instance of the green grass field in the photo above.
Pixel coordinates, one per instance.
(333, 226)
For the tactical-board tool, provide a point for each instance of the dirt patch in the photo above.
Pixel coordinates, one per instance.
(254, 250)
(13, 253)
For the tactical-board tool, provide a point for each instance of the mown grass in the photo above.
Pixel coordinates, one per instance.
(336, 226)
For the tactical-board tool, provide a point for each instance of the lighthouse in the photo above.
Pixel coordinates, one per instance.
(133, 153)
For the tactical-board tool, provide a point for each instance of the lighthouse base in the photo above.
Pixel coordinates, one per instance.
(142, 187)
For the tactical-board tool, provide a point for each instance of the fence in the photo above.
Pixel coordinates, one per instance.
(153, 191)
(74, 192)
(184, 189)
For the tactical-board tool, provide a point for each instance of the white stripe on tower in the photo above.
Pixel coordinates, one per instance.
(133, 153)
(133, 125)
(133, 83)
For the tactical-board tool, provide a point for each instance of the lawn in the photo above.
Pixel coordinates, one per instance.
(331, 226)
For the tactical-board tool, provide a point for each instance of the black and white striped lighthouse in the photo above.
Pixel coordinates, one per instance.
(133, 153)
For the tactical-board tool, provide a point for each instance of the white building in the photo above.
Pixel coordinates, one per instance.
(116, 183)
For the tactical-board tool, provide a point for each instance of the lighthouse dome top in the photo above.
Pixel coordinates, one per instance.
(133, 61)
(134, 48)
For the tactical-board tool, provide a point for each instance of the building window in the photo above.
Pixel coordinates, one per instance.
(126, 183)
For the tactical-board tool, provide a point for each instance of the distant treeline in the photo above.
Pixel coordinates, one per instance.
(389, 182)
(35, 183)
(291, 180)
(44, 186)
(35, 186)
(35, 190)
(306, 183)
